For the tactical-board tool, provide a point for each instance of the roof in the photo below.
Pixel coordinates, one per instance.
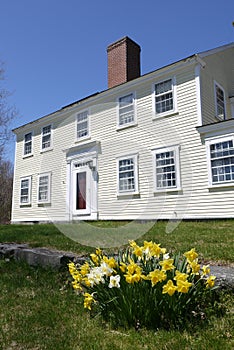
(200, 54)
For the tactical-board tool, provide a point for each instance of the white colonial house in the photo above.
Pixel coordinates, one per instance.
(153, 146)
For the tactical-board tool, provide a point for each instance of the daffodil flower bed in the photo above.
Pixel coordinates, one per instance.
(145, 286)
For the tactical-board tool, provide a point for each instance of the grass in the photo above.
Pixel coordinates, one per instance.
(214, 240)
(39, 311)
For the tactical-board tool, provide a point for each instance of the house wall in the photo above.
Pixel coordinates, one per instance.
(195, 200)
(219, 68)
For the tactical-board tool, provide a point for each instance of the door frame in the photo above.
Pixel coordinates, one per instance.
(78, 160)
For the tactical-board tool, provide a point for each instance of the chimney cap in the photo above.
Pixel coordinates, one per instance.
(121, 41)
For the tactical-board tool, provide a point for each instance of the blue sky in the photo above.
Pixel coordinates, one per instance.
(54, 51)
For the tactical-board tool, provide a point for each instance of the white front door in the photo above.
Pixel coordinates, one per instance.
(81, 189)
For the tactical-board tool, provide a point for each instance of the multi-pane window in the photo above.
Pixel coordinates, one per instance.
(127, 174)
(46, 137)
(126, 109)
(28, 144)
(82, 125)
(220, 102)
(167, 169)
(44, 188)
(164, 99)
(25, 190)
(222, 162)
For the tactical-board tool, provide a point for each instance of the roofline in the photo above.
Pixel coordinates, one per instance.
(198, 57)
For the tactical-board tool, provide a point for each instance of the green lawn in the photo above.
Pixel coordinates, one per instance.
(214, 240)
(39, 310)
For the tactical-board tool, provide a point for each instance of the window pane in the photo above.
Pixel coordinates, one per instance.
(82, 124)
(163, 96)
(165, 170)
(222, 161)
(126, 109)
(43, 191)
(126, 175)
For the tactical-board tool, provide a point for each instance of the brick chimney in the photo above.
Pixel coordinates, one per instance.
(123, 61)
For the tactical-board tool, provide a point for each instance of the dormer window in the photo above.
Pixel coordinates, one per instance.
(220, 102)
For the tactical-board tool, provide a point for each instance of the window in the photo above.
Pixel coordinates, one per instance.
(25, 190)
(164, 97)
(82, 125)
(46, 137)
(221, 154)
(166, 169)
(44, 188)
(126, 110)
(127, 175)
(28, 144)
(220, 102)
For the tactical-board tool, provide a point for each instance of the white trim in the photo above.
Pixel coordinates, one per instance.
(28, 154)
(198, 93)
(232, 106)
(208, 142)
(135, 157)
(172, 111)
(51, 138)
(48, 174)
(176, 150)
(224, 100)
(29, 178)
(134, 103)
(88, 136)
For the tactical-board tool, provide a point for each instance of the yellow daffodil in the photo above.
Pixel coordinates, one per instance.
(156, 250)
(167, 265)
(183, 286)
(205, 270)
(94, 258)
(210, 282)
(123, 267)
(169, 288)
(98, 251)
(195, 267)
(84, 269)
(110, 261)
(180, 276)
(88, 300)
(191, 255)
(156, 276)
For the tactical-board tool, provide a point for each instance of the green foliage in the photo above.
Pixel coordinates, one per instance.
(145, 287)
(39, 312)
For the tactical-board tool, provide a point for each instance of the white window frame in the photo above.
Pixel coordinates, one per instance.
(48, 200)
(24, 145)
(174, 97)
(176, 150)
(29, 179)
(133, 104)
(51, 138)
(232, 106)
(85, 137)
(136, 177)
(212, 141)
(216, 102)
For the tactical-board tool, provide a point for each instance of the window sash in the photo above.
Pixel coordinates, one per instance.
(44, 188)
(82, 125)
(25, 191)
(127, 175)
(126, 109)
(28, 144)
(46, 137)
(220, 102)
(166, 170)
(222, 162)
(164, 97)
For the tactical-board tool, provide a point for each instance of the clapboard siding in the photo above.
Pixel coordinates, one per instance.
(195, 200)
